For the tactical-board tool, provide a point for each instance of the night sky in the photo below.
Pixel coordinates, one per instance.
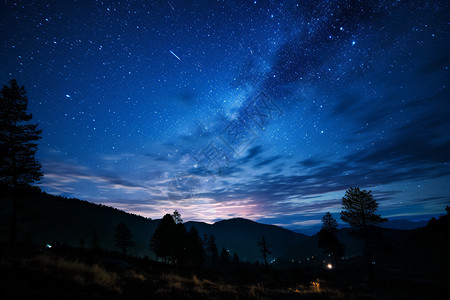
(138, 99)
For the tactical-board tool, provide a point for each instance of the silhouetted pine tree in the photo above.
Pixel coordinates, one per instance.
(162, 241)
(358, 209)
(179, 244)
(328, 240)
(329, 223)
(212, 249)
(95, 242)
(195, 251)
(122, 237)
(224, 256)
(264, 250)
(177, 217)
(235, 258)
(18, 165)
(205, 240)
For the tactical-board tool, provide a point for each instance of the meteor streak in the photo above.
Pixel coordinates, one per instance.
(174, 55)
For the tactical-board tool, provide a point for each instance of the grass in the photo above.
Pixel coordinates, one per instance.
(196, 284)
(255, 290)
(79, 272)
(86, 276)
(318, 287)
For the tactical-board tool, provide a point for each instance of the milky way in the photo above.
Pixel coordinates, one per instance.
(131, 95)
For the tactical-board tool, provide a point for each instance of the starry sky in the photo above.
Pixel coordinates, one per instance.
(267, 110)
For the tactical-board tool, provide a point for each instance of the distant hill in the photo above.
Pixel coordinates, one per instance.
(45, 218)
(308, 230)
(242, 236)
(404, 224)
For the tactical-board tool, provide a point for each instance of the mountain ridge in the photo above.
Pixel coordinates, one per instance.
(46, 218)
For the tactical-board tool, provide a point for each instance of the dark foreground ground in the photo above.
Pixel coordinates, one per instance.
(85, 274)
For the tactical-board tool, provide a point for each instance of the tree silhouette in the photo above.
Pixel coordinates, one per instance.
(95, 242)
(211, 247)
(177, 217)
(18, 165)
(328, 240)
(224, 256)
(235, 258)
(358, 209)
(161, 243)
(122, 238)
(205, 240)
(264, 250)
(329, 223)
(179, 244)
(194, 246)
(173, 243)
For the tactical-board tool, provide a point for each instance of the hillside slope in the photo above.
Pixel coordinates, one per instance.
(45, 218)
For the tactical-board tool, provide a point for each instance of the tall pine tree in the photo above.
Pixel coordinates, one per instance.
(18, 165)
(162, 241)
(195, 250)
(211, 247)
(327, 239)
(122, 237)
(358, 210)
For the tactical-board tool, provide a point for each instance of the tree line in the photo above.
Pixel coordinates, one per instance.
(359, 211)
(171, 243)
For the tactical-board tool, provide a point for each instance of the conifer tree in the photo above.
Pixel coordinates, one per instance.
(358, 210)
(328, 240)
(18, 165)
(123, 237)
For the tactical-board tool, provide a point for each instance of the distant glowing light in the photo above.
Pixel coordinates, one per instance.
(68, 96)
(48, 246)
(353, 43)
(330, 266)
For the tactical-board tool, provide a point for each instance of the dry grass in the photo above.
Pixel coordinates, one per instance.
(226, 288)
(80, 272)
(103, 277)
(256, 289)
(199, 285)
(175, 281)
(317, 287)
(196, 284)
(134, 275)
(196, 281)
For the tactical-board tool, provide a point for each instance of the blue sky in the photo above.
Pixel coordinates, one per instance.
(129, 95)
